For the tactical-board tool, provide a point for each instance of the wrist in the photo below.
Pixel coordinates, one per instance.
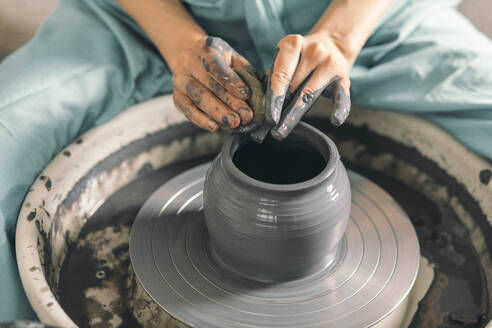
(167, 23)
(171, 52)
(348, 24)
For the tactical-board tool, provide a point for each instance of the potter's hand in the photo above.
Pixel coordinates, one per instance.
(305, 68)
(209, 92)
(206, 88)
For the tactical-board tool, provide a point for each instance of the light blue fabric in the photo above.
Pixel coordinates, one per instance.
(89, 61)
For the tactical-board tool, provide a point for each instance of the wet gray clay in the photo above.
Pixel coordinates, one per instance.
(277, 211)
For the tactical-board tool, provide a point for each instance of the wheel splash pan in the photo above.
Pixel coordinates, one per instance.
(83, 203)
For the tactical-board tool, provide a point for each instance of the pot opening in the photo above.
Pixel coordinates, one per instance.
(293, 160)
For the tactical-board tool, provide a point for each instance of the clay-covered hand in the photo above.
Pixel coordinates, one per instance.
(207, 90)
(306, 67)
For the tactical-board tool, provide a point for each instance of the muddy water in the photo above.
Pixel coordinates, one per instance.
(93, 280)
(458, 295)
(94, 276)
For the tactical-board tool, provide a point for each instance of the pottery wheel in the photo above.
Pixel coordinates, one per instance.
(376, 266)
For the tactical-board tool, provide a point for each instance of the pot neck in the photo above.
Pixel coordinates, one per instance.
(303, 133)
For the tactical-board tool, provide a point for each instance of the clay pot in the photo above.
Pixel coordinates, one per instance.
(277, 211)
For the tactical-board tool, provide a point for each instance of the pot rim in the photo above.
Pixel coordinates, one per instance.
(315, 137)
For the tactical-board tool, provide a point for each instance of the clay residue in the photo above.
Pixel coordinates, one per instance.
(94, 275)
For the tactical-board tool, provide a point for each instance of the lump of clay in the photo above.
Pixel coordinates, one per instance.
(256, 101)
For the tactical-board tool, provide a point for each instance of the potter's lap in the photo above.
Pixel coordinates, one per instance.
(82, 68)
(418, 64)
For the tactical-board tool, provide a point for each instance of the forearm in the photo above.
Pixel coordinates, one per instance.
(167, 23)
(350, 22)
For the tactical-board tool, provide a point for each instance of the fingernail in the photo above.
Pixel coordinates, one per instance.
(279, 133)
(228, 119)
(342, 107)
(212, 126)
(247, 128)
(246, 115)
(260, 134)
(340, 116)
(245, 91)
